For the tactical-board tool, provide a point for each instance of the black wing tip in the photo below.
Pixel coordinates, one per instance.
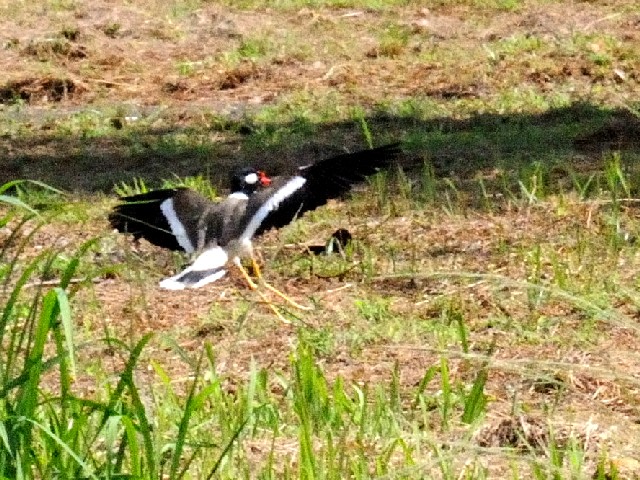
(140, 216)
(395, 146)
(116, 220)
(152, 195)
(387, 148)
(118, 217)
(143, 225)
(389, 151)
(126, 221)
(384, 154)
(133, 208)
(354, 167)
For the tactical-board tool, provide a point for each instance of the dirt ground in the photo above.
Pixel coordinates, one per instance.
(154, 72)
(118, 85)
(126, 53)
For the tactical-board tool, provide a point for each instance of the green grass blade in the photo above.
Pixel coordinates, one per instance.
(73, 264)
(29, 394)
(16, 202)
(476, 402)
(227, 447)
(67, 328)
(184, 424)
(11, 241)
(87, 468)
(5, 438)
(126, 383)
(145, 426)
(15, 183)
(447, 400)
(7, 310)
(462, 330)
(126, 375)
(134, 446)
(424, 381)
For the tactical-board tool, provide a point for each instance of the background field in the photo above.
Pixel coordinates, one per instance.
(483, 325)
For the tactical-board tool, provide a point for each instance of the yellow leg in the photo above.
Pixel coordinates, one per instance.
(253, 286)
(273, 308)
(293, 303)
(245, 274)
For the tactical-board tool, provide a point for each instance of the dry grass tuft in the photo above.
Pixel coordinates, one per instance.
(529, 433)
(39, 90)
(48, 49)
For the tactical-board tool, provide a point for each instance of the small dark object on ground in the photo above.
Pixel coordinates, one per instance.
(337, 243)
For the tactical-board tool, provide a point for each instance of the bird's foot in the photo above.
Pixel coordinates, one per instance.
(262, 283)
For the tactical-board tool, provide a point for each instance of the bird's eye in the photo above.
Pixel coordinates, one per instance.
(251, 179)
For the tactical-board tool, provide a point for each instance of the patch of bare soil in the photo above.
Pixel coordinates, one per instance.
(139, 50)
(119, 52)
(172, 65)
(583, 390)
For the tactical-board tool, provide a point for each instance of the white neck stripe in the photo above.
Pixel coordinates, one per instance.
(272, 204)
(239, 196)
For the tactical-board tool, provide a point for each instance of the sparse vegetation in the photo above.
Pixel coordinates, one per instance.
(483, 323)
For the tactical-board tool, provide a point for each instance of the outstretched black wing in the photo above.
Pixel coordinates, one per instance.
(171, 225)
(323, 181)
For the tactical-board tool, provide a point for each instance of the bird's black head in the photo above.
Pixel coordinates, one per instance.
(248, 180)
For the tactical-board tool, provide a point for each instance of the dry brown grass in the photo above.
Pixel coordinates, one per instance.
(570, 370)
(562, 358)
(133, 53)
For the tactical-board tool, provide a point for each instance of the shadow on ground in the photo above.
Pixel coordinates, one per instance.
(575, 137)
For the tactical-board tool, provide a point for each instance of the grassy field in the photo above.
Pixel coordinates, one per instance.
(483, 325)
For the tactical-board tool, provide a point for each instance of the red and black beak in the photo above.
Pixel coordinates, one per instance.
(264, 180)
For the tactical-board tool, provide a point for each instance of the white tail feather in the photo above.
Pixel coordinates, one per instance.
(174, 283)
(207, 268)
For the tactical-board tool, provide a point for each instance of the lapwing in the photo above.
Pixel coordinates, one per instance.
(216, 233)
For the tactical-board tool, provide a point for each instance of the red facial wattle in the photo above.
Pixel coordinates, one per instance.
(265, 181)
